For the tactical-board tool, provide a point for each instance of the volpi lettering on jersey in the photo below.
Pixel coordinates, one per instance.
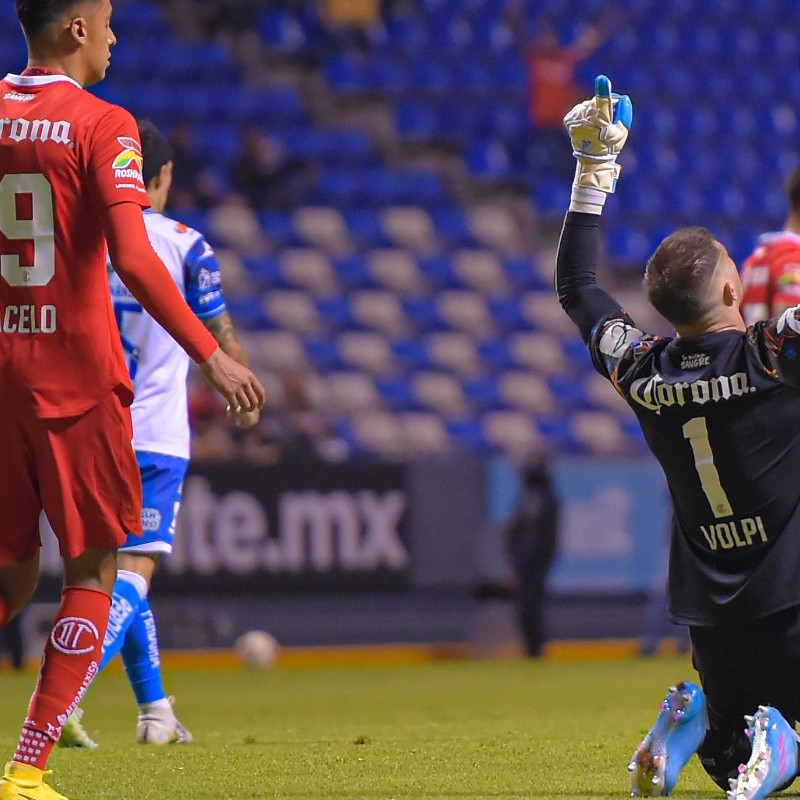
(128, 162)
(654, 394)
(734, 534)
(35, 130)
(695, 360)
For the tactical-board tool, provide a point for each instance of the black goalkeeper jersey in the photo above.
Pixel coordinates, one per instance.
(721, 413)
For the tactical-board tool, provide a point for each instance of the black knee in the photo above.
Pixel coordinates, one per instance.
(721, 754)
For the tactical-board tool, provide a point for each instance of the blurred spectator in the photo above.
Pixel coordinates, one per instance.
(657, 624)
(267, 175)
(532, 535)
(212, 437)
(552, 88)
(295, 426)
(12, 643)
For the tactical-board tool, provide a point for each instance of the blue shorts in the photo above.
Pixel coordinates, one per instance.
(162, 485)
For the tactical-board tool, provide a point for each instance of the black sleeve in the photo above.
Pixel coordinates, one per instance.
(576, 264)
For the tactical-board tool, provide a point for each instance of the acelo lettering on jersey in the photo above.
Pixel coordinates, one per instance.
(35, 130)
(654, 394)
(28, 319)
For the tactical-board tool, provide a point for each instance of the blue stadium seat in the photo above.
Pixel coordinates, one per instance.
(468, 435)
(451, 225)
(417, 121)
(412, 353)
(278, 227)
(344, 73)
(568, 391)
(482, 394)
(384, 74)
(423, 313)
(247, 313)
(353, 272)
(365, 227)
(323, 354)
(220, 141)
(282, 31)
(524, 274)
(508, 313)
(439, 271)
(397, 393)
(496, 353)
(267, 270)
(489, 160)
(336, 311)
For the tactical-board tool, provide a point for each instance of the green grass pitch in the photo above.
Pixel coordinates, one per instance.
(473, 730)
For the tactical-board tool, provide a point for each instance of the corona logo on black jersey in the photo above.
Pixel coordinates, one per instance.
(654, 394)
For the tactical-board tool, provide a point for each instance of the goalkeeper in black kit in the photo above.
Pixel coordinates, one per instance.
(719, 404)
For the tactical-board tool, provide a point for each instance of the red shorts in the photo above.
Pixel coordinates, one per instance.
(81, 470)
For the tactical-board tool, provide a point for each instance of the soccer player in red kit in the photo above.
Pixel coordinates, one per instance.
(771, 273)
(70, 186)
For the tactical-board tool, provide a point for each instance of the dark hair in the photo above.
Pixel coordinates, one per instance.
(156, 149)
(793, 189)
(35, 15)
(678, 273)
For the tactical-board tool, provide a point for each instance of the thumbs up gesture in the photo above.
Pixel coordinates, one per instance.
(598, 129)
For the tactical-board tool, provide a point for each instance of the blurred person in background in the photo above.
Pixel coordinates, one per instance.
(532, 539)
(771, 273)
(13, 643)
(719, 406)
(269, 176)
(552, 86)
(158, 370)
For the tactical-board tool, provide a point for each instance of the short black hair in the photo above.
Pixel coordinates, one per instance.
(35, 15)
(156, 149)
(678, 274)
(793, 189)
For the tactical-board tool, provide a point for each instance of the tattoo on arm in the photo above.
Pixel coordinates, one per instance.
(221, 328)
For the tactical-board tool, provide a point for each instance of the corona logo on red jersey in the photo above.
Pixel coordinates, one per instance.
(128, 163)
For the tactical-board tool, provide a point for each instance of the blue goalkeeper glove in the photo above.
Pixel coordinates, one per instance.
(598, 129)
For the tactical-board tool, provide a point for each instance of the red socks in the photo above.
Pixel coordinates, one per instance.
(70, 662)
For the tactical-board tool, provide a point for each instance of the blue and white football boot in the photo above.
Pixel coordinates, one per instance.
(773, 762)
(677, 733)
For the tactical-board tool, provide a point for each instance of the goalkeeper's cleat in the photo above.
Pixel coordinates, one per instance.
(677, 733)
(24, 782)
(158, 725)
(773, 761)
(73, 734)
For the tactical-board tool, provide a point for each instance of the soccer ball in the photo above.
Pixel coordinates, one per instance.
(257, 649)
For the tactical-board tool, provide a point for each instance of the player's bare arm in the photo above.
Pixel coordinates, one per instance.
(145, 275)
(222, 329)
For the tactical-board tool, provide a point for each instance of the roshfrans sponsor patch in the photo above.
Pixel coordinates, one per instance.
(128, 163)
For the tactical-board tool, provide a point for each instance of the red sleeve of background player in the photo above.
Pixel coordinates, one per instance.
(785, 274)
(145, 275)
(115, 160)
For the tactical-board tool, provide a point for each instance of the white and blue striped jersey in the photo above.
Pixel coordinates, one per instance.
(157, 364)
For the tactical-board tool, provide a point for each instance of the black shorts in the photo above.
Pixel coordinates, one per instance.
(744, 666)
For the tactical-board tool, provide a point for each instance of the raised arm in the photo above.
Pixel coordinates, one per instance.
(598, 129)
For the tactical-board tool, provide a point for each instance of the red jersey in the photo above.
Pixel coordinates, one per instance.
(771, 276)
(65, 156)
